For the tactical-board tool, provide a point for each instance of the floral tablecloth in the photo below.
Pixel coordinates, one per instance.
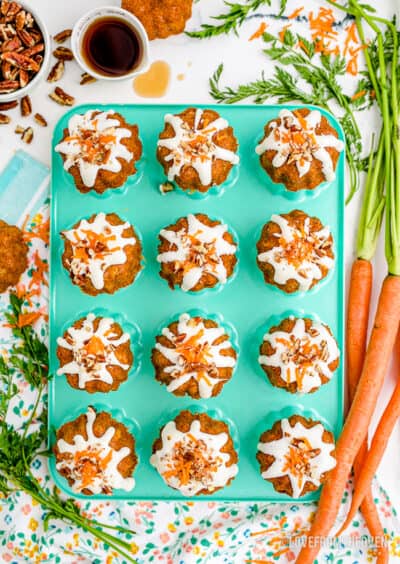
(171, 533)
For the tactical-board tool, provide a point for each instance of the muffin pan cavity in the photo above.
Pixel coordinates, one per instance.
(241, 306)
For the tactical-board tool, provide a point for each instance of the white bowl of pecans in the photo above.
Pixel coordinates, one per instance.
(24, 49)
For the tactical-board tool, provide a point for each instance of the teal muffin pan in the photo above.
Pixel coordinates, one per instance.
(246, 304)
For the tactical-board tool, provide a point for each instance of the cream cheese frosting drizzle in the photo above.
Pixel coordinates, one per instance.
(301, 454)
(94, 143)
(193, 461)
(300, 253)
(199, 251)
(96, 246)
(195, 147)
(93, 350)
(294, 139)
(92, 463)
(195, 355)
(302, 356)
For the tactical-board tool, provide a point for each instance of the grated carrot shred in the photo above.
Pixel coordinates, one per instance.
(259, 32)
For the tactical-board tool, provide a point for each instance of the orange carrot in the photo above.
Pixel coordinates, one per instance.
(377, 449)
(356, 339)
(355, 430)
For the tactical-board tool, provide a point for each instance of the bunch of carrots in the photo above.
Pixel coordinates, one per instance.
(367, 364)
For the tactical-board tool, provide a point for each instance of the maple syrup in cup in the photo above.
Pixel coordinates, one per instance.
(111, 44)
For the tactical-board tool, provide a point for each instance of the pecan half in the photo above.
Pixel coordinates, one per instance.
(20, 19)
(87, 78)
(27, 136)
(19, 129)
(13, 44)
(7, 86)
(26, 106)
(21, 61)
(63, 35)
(61, 97)
(5, 106)
(4, 119)
(31, 51)
(40, 120)
(27, 38)
(63, 53)
(23, 78)
(56, 72)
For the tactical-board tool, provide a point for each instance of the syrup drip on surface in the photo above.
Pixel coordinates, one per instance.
(155, 82)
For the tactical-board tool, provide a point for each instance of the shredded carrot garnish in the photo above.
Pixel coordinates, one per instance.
(296, 13)
(25, 319)
(282, 33)
(263, 26)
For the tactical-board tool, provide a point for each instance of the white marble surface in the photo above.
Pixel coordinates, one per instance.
(196, 61)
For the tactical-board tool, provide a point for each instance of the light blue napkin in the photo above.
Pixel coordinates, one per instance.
(23, 188)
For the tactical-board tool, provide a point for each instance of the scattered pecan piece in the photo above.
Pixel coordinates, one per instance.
(87, 78)
(63, 53)
(63, 35)
(56, 72)
(19, 129)
(27, 136)
(7, 86)
(166, 187)
(5, 106)
(61, 97)
(20, 61)
(40, 120)
(26, 106)
(4, 119)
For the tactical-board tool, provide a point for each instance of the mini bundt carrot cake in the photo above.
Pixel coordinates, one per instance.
(194, 356)
(299, 355)
(95, 354)
(195, 454)
(102, 254)
(296, 455)
(197, 149)
(300, 149)
(96, 454)
(100, 150)
(13, 255)
(196, 253)
(160, 18)
(295, 251)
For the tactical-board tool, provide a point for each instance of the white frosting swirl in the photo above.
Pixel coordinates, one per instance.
(195, 354)
(294, 139)
(195, 146)
(199, 251)
(93, 144)
(193, 461)
(300, 253)
(93, 350)
(301, 454)
(92, 463)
